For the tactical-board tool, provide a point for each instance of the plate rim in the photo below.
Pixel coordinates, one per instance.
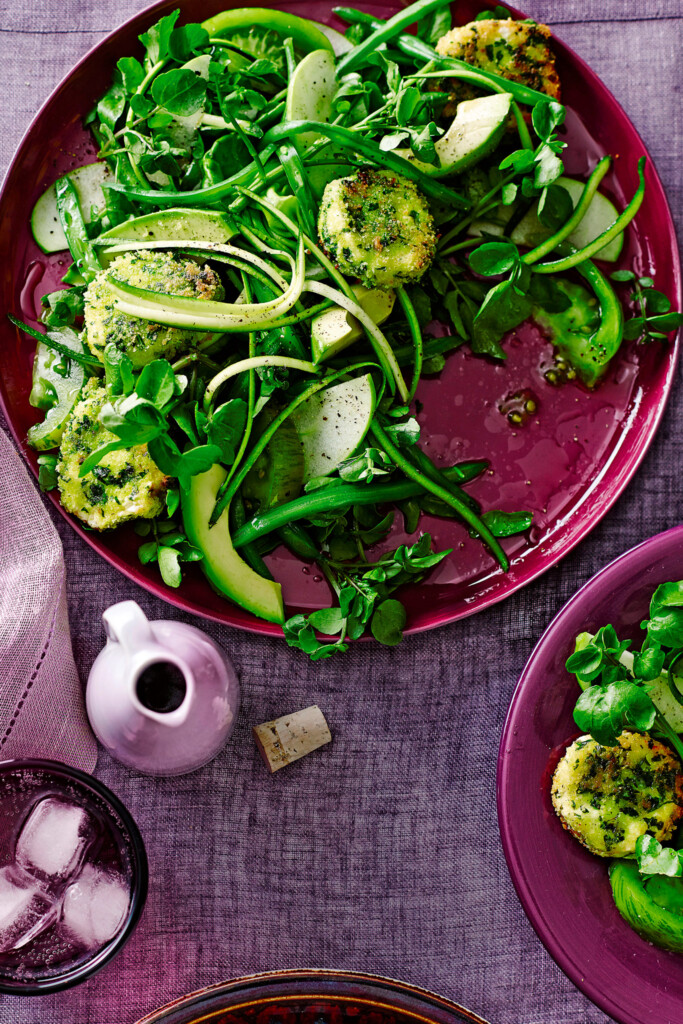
(324, 975)
(522, 885)
(231, 615)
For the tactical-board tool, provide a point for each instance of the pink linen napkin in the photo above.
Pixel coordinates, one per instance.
(42, 711)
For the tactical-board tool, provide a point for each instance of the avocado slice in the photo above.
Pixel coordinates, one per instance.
(476, 130)
(659, 925)
(336, 328)
(227, 573)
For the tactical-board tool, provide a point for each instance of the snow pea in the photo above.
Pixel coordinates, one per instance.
(303, 33)
(70, 214)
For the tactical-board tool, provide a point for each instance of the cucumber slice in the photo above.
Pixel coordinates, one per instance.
(332, 424)
(476, 130)
(340, 44)
(225, 570)
(336, 328)
(310, 92)
(45, 223)
(530, 232)
(175, 225)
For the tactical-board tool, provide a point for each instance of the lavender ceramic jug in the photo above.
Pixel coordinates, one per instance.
(162, 697)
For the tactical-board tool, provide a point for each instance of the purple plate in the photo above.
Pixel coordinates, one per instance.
(568, 464)
(565, 890)
(313, 997)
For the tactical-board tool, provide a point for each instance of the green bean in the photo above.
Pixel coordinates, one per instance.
(624, 218)
(69, 210)
(329, 499)
(463, 510)
(389, 30)
(300, 185)
(416, 334)
(348, 139)
(589, 190)
(251, 556)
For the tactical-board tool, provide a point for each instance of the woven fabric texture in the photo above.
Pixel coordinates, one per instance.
(38, 669)
(380, 852)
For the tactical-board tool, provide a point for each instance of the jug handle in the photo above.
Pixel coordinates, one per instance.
(125, 623)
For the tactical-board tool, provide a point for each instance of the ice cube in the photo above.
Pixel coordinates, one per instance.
(25, 911)
(54, 839)
(95, 907)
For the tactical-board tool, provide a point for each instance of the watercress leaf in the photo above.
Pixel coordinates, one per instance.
(435, 25)
(391, 141)
(666, 614)
(648, 664)
(63, 307)
(404, 434)
(656, 302)
(549, 167)
(169, 566)
(148, 552)
(521, 161)
(198, 460)
(605, 710)
(112, 105)
(502, 310)
(667, 322)
(655, 859)
(622, 275)
(585, 663)
(507, 524)
(156, 383)
(508, 193)
(646, 282)
(555, 206)
(371, 463)
(179, 91)
(226, 427)
(388, 621)
(186, 40)
(141, 105)
(131, 73)
(494, 258)
(634, 327)
(408, 100)
(172, 500)
(156, 39)
(452, 303)
(546, 116)
(47, 472)
(318, 482)
(185, 417)
(327, 620)
(118, 371)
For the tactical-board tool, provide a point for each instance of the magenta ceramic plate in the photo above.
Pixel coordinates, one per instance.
(563, 888)
(313, 997)
(568, 464)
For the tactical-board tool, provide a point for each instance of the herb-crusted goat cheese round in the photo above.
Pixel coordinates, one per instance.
(517, 50)
(377, 226)
(143, 340)
(125, 485)
(608, 797)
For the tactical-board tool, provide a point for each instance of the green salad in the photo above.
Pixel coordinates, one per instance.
(619, 787)
(285, 231)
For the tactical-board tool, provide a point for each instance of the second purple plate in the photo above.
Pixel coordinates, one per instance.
(565, 890)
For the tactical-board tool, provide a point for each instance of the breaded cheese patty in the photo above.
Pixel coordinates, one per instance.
(517, 50)
(608, 797)
(140, 339)
(125, 485)
(377, 226)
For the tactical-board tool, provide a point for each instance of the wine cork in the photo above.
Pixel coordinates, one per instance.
(286, 739)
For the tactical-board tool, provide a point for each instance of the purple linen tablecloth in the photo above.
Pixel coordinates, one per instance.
(381, 852)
